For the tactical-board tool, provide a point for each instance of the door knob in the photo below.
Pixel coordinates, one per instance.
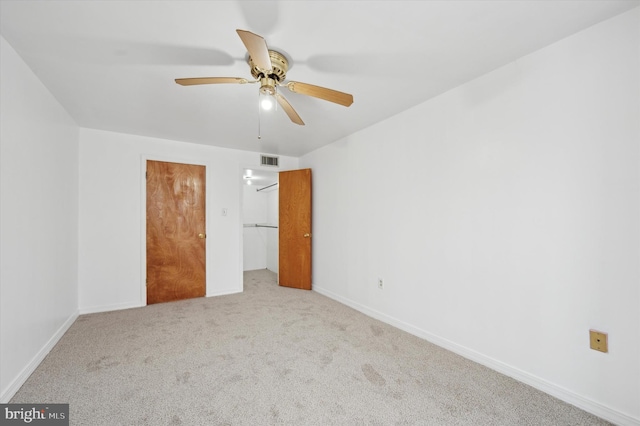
(202, 236)
(307, 235)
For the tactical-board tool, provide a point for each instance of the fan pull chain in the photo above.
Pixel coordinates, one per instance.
(259, 115)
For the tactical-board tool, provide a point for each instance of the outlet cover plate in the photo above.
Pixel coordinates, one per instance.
(598, 341)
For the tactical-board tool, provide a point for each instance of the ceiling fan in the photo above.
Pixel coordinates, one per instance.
(269, 68)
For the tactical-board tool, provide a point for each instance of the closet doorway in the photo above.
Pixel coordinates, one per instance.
(260, 197)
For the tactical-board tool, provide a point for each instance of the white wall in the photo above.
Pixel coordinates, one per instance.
(38, 221)
(111, 227)
(273, 237)
(503, 217)
(254, 209)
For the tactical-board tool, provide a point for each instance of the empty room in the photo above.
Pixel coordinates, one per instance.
(320, 212)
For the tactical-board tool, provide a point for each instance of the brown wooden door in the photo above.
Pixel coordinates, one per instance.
(175, 231)
(294, 260)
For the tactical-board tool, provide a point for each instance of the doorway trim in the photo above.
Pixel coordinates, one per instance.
(143, 217)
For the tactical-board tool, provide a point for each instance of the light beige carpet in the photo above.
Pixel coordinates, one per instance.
(273, 356)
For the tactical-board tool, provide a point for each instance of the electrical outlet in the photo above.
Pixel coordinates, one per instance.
(380, 283)
(598, 341)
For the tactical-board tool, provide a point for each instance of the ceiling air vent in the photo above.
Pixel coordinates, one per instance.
(268, 161)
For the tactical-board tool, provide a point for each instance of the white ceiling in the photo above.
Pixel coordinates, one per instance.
(112, 64)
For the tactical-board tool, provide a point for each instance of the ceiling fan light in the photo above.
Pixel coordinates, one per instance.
(266, 102)
(267, 92)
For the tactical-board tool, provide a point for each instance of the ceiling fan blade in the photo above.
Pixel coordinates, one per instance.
(286, 106)
(321, 93)
(211, 80)
(257, 48)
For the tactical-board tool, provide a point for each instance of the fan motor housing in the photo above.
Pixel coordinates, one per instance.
(267, 86)
(279, 67)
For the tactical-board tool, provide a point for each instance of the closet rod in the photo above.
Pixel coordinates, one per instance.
(259, 225)
(273, 184)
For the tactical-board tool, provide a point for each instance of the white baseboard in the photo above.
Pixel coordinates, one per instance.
(552, 389)
(15, 385)
(121, 306)
(108, 308)
(223, 293)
